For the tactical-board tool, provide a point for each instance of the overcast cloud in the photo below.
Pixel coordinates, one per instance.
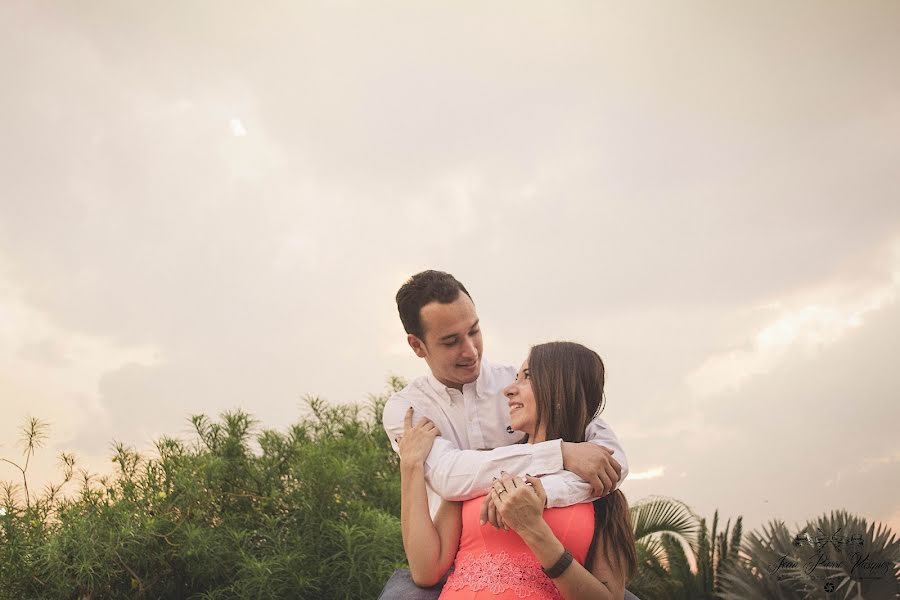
(207, 206)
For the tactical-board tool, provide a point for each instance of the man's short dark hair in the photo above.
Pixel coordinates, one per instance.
(424, 288)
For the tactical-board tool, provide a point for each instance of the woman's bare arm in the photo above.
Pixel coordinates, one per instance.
(430, 546)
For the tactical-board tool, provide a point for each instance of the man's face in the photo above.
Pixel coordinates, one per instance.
(452, 345)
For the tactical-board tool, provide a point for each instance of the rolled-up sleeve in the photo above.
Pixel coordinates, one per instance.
(600, 433)
(457, 474)
(462, 474)
(565, 488)
(392, 419)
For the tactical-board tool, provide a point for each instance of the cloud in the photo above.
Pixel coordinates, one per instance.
(53, 373)
(866, 465)
(652, 473)
(815, 433)
(876, 461)
(44, 365)
(237, 127)
(805, 322)
(706, 221)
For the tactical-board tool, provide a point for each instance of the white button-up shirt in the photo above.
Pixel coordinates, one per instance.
(476, 440)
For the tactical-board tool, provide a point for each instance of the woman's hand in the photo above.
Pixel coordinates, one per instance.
(416, 442)
(519, 502)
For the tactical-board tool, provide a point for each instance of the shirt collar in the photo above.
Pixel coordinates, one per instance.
(482, 378)
(439, 388)
(444, 391)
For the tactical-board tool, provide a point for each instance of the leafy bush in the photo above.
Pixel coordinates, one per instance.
(234, 513)
(313, 512)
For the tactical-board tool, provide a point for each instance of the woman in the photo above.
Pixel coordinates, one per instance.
(557, 392)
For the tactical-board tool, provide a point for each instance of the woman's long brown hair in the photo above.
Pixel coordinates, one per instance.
(567, 380)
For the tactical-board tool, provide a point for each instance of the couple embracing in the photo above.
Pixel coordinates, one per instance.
(508, 479)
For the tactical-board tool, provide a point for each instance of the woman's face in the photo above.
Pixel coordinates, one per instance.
(522, 405)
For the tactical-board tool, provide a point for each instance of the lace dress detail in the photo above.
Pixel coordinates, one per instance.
(499, 572)
(496, 564)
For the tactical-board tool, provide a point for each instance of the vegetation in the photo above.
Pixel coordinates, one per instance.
(310, 513)
(244, 512)
(835, 556)
(666, 533)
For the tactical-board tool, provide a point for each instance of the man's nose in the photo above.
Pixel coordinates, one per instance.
(469, 348)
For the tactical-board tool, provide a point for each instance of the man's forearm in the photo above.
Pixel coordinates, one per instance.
(600, 433)
(462, 474)
(564, 488)
(588, 472)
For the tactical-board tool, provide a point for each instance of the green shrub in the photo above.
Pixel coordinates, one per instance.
(236, 512)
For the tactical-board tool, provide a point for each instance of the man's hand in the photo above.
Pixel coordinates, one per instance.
(594, 464)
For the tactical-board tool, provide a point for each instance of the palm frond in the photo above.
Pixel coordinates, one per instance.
(659, 514)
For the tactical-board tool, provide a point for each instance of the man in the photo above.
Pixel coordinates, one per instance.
(463, 397)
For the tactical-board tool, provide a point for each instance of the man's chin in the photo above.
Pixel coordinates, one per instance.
(469, 375)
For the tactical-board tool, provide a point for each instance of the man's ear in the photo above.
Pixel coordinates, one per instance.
(417, 345)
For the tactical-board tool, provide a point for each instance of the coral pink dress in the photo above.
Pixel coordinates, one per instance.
(497, 565)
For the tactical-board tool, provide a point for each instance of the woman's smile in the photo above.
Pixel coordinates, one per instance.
(522, 407)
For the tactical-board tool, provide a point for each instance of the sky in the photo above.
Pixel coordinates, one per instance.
(208, 206)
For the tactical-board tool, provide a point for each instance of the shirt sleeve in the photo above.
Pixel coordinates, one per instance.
(564, 488)
(463, 474)
(456, 474)
(600, 433)
(392, 419)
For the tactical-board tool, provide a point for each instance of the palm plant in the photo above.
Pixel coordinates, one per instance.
(714, 553)
(661, 528)
(679, 558)
(835, 556)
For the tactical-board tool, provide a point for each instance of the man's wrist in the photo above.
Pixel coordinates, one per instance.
(564, 449)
